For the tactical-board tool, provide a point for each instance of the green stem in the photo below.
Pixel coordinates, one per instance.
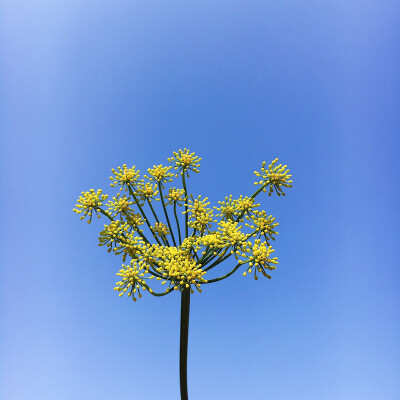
(185, 308)
(215, 263)
(143, 214)
(186, 200)
(177, 224)
(152, 210)
(155, 293)
(252, 197)
(223, 277)
(106, 214)
(164, 239)
(166, 214)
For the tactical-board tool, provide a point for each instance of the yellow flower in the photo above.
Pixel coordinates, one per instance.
(200, 216)
(129, 245)
(179, 267)
(258, 258)
(134, 221)
(160, 229)
(230, 234)
(89, 202)
(263, 225)
(133, 279)
(146, 191)
(124, 177)
(159, 174)
(112, 233)
(175, 196)
(185, 161)
(276, 176)
(234, 209)
(228, 209)
(119, 206)
(246, 205)
(211, 241)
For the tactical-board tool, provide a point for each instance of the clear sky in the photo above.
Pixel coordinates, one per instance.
(87, 85)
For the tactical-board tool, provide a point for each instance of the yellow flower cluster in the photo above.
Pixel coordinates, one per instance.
(230, 235)
(133, 279)
(228, 208)
(185, 161)
(276, 177)
(234, 209)
(200, 216)
(210, 241)
(159, 174)
(89, 202)
(146, 191)
(175, 196)
(160, 229)
(246, 205)
(178, 266)
(112, 233)
(120, 206)
(134, 221)
(199, 250)
(263, 225)
(124, 176)
(129, 245)
(258, 257)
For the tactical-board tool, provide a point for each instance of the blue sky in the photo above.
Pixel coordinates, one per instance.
(87, 86)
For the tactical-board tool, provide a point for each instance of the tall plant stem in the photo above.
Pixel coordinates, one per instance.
(186, 201)
(185, 307)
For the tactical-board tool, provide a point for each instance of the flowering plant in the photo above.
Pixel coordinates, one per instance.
(154, 249)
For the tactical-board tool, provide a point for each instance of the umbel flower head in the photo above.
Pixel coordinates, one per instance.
(90, 201)
(276, 177)
(176, 242)
(185, 161)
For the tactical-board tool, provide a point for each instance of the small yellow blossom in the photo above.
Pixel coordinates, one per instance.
(146, 191)
(160, 229)
(175, 196)
(246, 205)
(200, 216)
(258, 258)
(276, 177)
(263, 225)
(185, 161)
(134, 221)
(228, 209)
(120, 206)
(230, 234)
(112, 233)
(124, 177)
(133, 279)
(159, 174)
(179, 267)
(129, 245)
(89, 202)
(210, 241)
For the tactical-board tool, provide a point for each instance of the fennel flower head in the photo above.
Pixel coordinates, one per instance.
(169, 240)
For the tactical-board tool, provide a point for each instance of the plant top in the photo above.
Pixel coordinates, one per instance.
(182, 259)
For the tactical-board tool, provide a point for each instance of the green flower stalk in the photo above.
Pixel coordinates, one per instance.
(160, 256)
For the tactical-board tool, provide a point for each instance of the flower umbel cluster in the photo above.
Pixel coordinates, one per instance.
(90, 201)
(124, 176)
(176, 241)
(185, 161)
(276, 177)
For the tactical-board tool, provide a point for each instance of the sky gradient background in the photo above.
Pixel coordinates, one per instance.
(88, 85)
